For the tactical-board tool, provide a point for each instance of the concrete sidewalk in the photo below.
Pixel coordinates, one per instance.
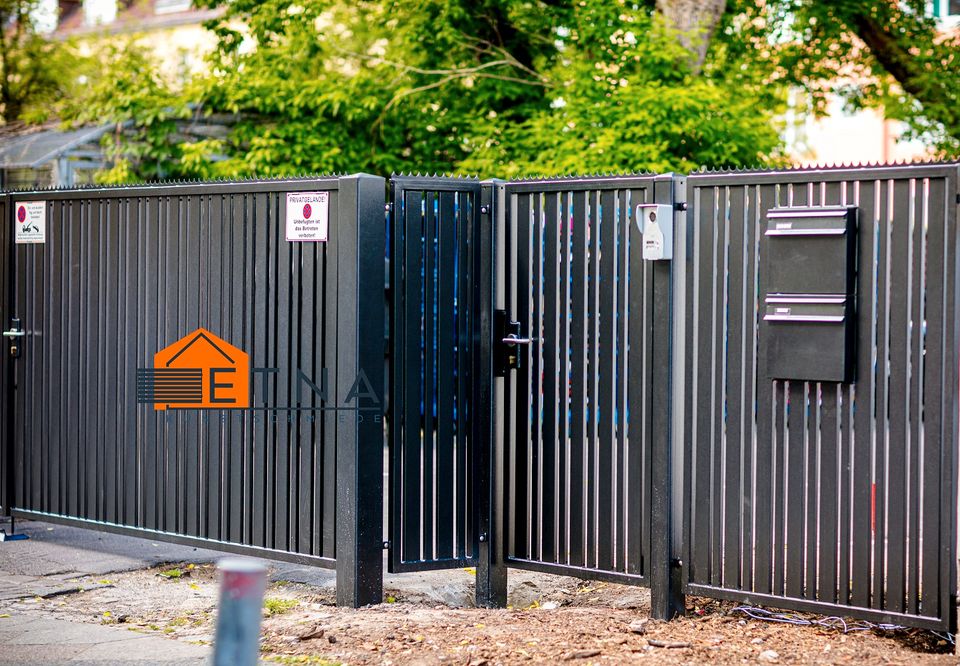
(26, 638)
(49, 564)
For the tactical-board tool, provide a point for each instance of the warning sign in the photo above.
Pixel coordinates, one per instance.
(30, 221)
(308, 216)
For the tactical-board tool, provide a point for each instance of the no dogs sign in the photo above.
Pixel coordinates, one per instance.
(30, 221)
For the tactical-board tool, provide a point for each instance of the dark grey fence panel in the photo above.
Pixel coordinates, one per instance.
(435, 302)
(821, 496)
(578, 458)
(6, 362)
(126, 272)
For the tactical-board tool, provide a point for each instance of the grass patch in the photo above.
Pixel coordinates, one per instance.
(173, 574)
(308, 659)
(278, 606)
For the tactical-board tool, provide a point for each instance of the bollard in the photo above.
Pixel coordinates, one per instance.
(237, 641)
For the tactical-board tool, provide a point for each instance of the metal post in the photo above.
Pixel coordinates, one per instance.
(360, 385)
(488, 426)
(7, 277)
(666, 593)
(237, 641)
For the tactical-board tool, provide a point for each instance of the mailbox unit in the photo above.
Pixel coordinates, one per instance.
(809, 309)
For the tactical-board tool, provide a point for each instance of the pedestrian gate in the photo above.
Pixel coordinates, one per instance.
(768, 415)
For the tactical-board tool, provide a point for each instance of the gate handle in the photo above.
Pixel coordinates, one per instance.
(514, 339)
(14, 333)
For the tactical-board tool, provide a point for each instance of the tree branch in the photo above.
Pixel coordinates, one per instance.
(894, 54)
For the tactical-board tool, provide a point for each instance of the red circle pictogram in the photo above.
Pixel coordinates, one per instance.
(307, 210)
(22, 214)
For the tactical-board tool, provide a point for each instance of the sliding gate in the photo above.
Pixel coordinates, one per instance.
(203, 363)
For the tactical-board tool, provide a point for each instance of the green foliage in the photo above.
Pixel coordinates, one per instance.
(495, 87)
(129, 91)
(887, 54)
(36, 74)
(624, 99)
(508, 87)
(278, 605)
(172, 574)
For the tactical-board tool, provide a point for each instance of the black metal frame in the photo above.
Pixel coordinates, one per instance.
(6, 366)
(434, 462)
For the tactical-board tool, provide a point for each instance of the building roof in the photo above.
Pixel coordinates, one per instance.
(29, 151)
(131, 17)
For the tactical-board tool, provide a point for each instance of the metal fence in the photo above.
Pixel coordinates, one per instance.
(206, 272)
(769, 416)
(818, 495)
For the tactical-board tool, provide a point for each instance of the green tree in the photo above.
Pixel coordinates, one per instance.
(496, 87)
(35, 73)
(505, 87)
(128, 90)
(872, 53)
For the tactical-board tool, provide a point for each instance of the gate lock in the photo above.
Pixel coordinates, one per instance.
(509, 338)
(14, 333)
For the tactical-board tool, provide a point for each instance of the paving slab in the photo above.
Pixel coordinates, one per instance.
(31, 639)
(65, 552)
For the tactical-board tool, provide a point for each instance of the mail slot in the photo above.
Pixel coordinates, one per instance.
(811, 250)
(810, 337)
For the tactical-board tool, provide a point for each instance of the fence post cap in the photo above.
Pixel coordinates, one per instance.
(241, 565)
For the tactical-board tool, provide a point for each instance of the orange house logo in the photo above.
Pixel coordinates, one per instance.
(198, 371)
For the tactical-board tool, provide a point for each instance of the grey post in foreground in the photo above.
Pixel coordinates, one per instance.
(360, 385)
(237, 641)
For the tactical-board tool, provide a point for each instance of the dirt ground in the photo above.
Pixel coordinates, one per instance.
(554, 619)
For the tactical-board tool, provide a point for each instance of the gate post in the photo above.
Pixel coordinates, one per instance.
(488, 426)
(360, 373)
(7, 266)
(666, 586)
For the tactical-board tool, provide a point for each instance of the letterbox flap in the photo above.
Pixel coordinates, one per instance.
(806, 308)
(811, 221)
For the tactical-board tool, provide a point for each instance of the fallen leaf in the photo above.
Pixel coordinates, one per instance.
(667, 644)
(581, 654)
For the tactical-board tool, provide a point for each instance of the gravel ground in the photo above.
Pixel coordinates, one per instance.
(552, 619)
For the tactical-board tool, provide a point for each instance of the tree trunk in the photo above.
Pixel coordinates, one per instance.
(696, 21)
(893, 52)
